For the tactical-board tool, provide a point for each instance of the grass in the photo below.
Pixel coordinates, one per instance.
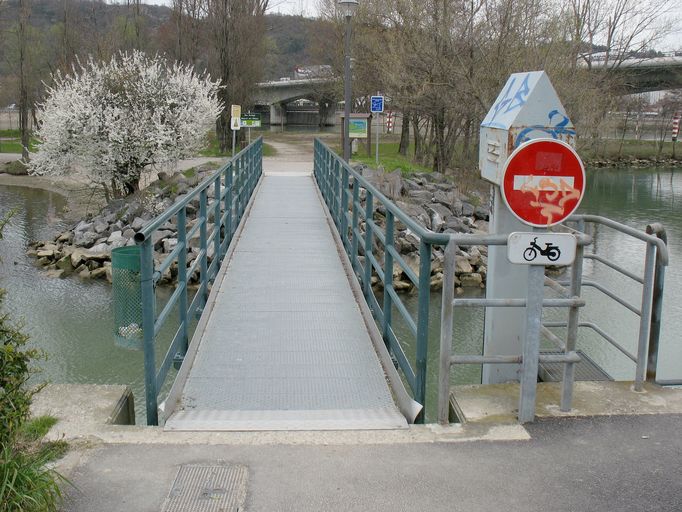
(611, 149)
(389, 158)
(14, 145)
(37, 428)
(27, 483)
(213, 148)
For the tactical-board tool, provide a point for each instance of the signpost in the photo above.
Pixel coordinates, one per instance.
(543, 182)
(235, 115)
(541, 248)
(357, 128)
(377, 107)
(250, 120)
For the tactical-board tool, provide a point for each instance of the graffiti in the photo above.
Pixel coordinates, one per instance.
(555, 197)
(557, 127)
(510, 101)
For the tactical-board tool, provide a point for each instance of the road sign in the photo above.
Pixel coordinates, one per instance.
(543, 182)
(236, 111)
(377, 103)
(541, 248)
(234, 123)
(250, 120)
(357, 128)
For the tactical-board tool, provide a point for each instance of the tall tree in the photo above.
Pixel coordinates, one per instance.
(238, 41)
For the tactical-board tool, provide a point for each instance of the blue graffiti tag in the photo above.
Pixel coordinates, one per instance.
(510, 101)
(553, 130)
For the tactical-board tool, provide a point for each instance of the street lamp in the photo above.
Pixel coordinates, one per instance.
(348, 8)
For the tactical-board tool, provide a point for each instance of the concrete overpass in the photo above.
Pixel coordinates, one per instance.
(641, 75)
(645, 75)
(276, 94)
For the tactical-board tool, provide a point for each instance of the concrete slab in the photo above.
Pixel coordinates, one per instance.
(498, 403)
(83, 408)
(624, 464)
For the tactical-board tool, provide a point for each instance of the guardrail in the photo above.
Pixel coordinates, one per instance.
(341, 188)
(344, 191)
(652, 281)
(232, 186)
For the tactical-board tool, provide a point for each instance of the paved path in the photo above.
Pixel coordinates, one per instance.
(285, 346)
(605, 464)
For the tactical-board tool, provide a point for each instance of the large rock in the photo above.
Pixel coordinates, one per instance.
(422, 196)
(462, 265)
(101, 227)
(85, 239)
(83, 226)
(473, 280)
(138, 223)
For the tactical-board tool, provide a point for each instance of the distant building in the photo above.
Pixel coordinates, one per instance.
(321, 71)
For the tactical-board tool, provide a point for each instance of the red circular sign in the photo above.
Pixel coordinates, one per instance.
(543, 182)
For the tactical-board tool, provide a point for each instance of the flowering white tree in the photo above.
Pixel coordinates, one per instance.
(115, 119)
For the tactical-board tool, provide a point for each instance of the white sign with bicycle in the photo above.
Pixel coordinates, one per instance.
(541, 248)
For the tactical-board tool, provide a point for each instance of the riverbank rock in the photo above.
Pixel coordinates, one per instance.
(85, 249)
(437, 204)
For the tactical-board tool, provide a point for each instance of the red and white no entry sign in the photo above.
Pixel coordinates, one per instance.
(543, 182)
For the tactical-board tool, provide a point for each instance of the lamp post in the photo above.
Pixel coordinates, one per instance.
(348, 7)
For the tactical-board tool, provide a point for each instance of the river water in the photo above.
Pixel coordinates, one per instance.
(71, 320)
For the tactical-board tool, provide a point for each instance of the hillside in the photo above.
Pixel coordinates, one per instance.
(93, 25)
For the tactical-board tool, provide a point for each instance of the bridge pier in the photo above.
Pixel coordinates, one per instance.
(278, 114)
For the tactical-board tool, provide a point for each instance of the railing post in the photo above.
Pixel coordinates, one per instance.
(336, 204)
(182, 279)
(148, 321)
(657, 307)
(645, 318)
(355, 226)
(229, 200)
(344, 207)
(216, 226)
(388, 276)
(446, 321)
(572, 331)
(369, 236)
(423, 325)
(203, 213)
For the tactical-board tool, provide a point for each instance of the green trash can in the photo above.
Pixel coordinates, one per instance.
(127, 296)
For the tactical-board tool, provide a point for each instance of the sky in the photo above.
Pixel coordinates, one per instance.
(297, 7)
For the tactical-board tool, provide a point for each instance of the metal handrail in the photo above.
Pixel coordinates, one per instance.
(655, 261)
(340, 187)
(233, 184)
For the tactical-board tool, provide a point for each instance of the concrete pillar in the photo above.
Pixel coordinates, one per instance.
(278, 114)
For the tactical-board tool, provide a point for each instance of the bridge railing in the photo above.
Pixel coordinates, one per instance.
(344, 190)
(222, 199)
(354, 203)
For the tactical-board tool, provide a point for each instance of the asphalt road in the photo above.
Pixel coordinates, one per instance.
(625, 463)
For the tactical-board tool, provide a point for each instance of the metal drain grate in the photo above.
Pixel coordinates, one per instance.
(198, 488)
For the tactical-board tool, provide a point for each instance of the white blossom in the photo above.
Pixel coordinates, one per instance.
(114, 119)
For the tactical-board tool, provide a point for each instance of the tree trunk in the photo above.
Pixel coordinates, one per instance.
(404, 134)
(24, 107)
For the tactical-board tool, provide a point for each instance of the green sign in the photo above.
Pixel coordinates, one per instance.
(357, 128)
(250, 120)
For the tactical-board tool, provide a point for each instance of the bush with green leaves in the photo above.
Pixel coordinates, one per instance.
(27, 484)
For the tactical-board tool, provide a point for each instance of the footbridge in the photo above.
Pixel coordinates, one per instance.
(284, 313)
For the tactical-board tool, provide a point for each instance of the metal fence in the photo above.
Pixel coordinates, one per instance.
(363, 239)
(354, 203)
(222, 198)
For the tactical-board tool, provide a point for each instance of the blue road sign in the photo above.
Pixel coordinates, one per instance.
(377, 104)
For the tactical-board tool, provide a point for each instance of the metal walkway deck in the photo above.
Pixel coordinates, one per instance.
(285, 345)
